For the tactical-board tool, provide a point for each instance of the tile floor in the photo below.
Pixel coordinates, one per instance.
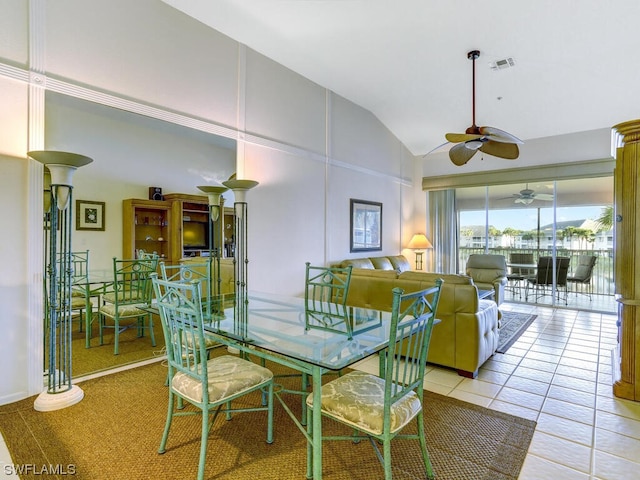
(559, 374)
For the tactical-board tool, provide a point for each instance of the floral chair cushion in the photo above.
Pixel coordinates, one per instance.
(357, 399)
(228, 375)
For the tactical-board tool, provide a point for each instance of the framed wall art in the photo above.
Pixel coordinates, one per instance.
(89, 215)
(366, 226)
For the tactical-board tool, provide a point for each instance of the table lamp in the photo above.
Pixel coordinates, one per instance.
(419, 243)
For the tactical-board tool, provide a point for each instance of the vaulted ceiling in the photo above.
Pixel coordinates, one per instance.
(575, 63)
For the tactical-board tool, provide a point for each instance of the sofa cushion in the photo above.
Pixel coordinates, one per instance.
(381, 263)
(430, 277)
(358, 263)
(365, 272)
(400, 263)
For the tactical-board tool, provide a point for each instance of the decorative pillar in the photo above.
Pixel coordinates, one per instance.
(626, 357)
(240, 257)
(58, 220)
(215, 247)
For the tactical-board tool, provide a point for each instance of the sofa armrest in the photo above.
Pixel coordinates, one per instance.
(476, 338)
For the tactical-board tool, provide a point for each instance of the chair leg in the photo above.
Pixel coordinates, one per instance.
(309, 445)
(167, 425)
(386, 452)
(116, 336)
(423, 447)
(270, 414)
(151, 334)
(203, 442)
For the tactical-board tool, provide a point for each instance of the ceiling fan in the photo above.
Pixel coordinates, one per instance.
(527, 196)
(489, 140)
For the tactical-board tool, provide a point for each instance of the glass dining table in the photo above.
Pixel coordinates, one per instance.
(274, 329)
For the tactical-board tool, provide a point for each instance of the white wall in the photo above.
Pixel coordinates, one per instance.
(310, 149)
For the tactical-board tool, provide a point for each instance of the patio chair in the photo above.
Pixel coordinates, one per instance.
(209, 385)
(543, 282)
(378, 408)
(489, 272)
(518, 273)
(582, 274)
(126, 299)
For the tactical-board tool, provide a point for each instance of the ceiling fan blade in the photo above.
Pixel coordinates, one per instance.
(509, 151)
(498, 135)
(461, 137)
(460, 154)
(543, 196)
(435, 149)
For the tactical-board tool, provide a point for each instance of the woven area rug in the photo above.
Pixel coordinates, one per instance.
(114, 432)
(512, 325)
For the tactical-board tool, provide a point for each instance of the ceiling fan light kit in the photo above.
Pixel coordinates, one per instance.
(489, 140)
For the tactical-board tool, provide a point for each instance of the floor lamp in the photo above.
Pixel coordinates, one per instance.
(240, 258)
(419, 243)
(60, 393)
(214, 193)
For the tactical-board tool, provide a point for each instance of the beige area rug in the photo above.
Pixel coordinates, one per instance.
(100, 357)
(114, 433)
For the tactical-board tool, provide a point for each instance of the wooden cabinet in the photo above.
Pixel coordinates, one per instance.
(626, 357)
(192, 225)
(176, 227)
(147, 225)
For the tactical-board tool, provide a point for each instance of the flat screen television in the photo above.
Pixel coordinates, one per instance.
(195, 235)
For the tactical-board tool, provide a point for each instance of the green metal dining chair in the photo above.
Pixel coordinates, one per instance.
(326, 291)
(379, 408)
(325, 299)
(126, 299)
(210, 385)
(78, 262)
(189, 272)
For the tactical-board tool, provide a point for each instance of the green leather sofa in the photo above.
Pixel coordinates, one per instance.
(467, 335)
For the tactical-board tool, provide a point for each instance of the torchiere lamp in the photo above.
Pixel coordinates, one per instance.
(60, 393)
(214, 192)
(419, 243)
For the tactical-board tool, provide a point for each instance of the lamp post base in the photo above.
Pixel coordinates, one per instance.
(47, 402)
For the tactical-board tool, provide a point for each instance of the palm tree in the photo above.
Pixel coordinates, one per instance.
(605, 220)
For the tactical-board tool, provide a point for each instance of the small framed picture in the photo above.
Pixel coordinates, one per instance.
(89, 215)
(366, 226)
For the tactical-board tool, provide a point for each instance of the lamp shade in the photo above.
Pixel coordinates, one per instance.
(62, 166)
(214, 193)
(419, 242)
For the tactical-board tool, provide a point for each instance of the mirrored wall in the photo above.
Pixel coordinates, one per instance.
(131, 153)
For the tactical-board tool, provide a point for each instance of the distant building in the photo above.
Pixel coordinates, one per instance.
(475, 236)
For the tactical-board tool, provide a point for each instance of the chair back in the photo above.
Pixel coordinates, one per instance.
(584, 269)
(79, 262)
(180, 309)
(485, 268)
(412, 319)
(132, 282)
(545, 272)
(325, 298)
(189, 272)
(562, 270)
(522, 259)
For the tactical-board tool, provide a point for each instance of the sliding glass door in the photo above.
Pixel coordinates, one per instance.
(558, 219)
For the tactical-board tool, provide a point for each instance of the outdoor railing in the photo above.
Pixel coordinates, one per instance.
(601, 279)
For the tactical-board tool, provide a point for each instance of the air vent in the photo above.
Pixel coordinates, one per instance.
(502, 64)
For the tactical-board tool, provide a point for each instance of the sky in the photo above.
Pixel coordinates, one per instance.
(527, 218)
